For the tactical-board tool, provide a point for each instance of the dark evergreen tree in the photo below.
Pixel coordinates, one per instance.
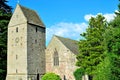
(5, 14)
(112, 40)
(109, 68)
(91, 48)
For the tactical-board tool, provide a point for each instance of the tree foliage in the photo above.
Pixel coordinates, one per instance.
(4, 7)
(108, 69)
(51, 76)
(112, 41)
(103, 70)
(79, 73)
(5, 14)
(91, 51)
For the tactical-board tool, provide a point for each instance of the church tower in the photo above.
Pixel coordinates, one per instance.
(26, 45)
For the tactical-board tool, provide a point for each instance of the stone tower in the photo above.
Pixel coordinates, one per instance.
(26, 45)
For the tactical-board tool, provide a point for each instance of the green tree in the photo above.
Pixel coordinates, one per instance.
(103, 70)
(5, 14)
(51, 76)
(79, 73)
(109, 68)
(91, 51)
(112, 41)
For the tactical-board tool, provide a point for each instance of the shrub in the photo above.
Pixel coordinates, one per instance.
(51, 76)
(79, 73)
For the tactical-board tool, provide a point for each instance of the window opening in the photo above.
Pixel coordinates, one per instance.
(17, 29)
(37, 76)
(56, 58)
(16, 57)
(16, 71)
(35, 41)
(36, 29)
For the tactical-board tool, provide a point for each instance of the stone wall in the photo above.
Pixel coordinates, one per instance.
(35, 50)
(66, 60)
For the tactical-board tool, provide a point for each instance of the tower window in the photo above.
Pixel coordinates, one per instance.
(36, 29)
(16, 71)
(17, 29)
(56, 58)
(35, 41)
(16, 57)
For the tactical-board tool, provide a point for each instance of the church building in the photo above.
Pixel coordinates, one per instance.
(27, 56)
(61, 57)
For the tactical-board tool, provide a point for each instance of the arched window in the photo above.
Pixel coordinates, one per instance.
(55, 58)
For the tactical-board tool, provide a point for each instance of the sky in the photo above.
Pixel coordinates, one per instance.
(68, 18)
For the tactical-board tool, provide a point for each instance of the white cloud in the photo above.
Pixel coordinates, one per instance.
(88, 16)
(108, 16)
(72, 30)
(69, 30)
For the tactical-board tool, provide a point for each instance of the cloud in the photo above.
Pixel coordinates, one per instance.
(88, 16)
(64, 29)
(72, 30)
(108, 16)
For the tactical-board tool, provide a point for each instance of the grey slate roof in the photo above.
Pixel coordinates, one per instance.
(72, 45)
(31, 16)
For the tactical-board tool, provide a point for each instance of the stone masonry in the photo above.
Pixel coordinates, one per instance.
(27, 58)
(26, 45)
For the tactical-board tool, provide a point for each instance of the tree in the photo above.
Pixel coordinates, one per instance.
(4, 7)
(91, 51)
(103, 70)
(5, 14)
(109, 68)
(112, 40)
(79, 73)
(51, 76)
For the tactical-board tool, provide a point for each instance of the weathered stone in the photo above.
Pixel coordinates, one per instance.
(26, 45)
(26, 58)
(67, 58)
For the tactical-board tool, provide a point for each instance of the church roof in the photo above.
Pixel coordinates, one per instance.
(72, 45)
(31, 16)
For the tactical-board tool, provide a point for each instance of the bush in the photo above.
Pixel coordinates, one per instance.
(51, 76)
(79, 73)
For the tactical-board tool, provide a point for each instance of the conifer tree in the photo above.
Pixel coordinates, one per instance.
(109, 67)
(112, 41)
(5, 14)
(91, 51)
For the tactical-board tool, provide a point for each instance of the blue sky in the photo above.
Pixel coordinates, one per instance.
(68, 18)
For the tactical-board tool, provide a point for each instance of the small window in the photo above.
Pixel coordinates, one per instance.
(36, 29)
(17, 29)
(35, 41)
(16, 57)
(16, 71)
(56, 58)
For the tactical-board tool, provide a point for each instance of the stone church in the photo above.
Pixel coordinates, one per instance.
(28, 58)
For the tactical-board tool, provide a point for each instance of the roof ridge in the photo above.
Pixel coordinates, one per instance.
(31, 16)
(71, 44)
(26, 8)
(65, 38)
